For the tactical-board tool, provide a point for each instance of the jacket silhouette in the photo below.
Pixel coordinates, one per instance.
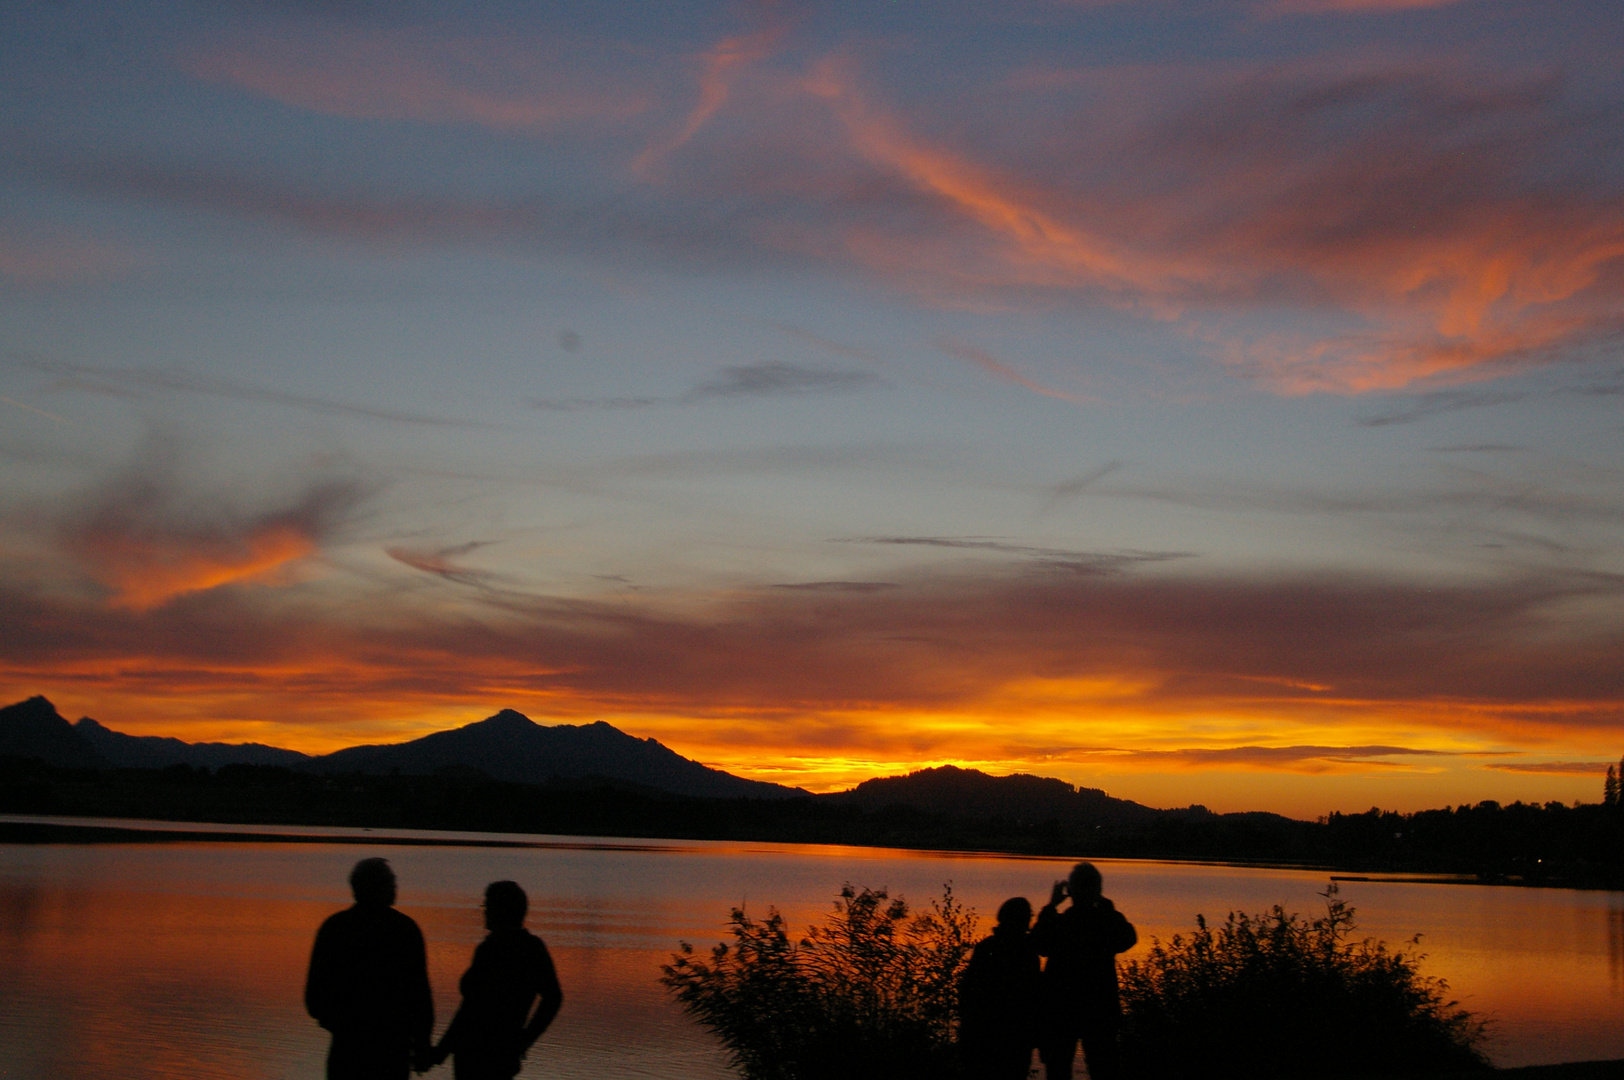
(1079, 984)
(998, 999)
(510, 972)
(368, 982)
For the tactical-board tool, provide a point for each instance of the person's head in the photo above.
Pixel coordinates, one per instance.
(505, 905)
(373, 883)
(1015, 915)
(1085, 882)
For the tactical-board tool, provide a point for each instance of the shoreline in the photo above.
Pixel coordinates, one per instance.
(73, 829)
(66, 829)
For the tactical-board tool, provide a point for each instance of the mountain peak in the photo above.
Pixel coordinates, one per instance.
(510, 719)
(34, 729)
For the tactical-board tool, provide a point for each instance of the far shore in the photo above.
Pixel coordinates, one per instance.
(70, 829)
(65, 829)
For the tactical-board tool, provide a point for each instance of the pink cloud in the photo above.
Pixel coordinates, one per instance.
(984, 360)
(719, 67)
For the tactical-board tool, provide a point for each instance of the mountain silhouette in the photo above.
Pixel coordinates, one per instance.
(157, 752)
(510, 746)
(1020, 799)
(34, 729)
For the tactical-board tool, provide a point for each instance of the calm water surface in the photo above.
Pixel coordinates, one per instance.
(187, 959)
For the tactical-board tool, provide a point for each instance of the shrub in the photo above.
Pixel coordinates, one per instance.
(1277, 995)
(870, 993)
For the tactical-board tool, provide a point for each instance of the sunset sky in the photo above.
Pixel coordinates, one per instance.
(1213, 402)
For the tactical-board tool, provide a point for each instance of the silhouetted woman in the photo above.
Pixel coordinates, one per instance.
(489, 1036)
(998, 998)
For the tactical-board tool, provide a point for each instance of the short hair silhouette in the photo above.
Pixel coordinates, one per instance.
(1085, 877)
(1016, 911)
(505, 905)
(373, 882)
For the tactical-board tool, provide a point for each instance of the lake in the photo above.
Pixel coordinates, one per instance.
(187, 959)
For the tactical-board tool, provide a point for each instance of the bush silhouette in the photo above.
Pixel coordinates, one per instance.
(870, 993)
(1277, 995)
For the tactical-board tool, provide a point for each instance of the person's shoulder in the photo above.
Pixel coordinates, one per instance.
(339, 919)
(399, 921)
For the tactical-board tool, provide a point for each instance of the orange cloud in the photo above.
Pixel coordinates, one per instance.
(144, 574)
(407, 75)
(1407, 203)
(147, 546)
(719, 66)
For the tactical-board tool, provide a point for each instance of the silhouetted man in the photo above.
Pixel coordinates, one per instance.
(1080, 981)
(998, 998)
(511, 970)
(369, 982)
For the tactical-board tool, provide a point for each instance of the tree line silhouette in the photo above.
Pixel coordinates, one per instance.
(1553, 843)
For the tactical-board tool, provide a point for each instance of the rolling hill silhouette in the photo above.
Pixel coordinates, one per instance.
(510, 746)
(1020, 799)
(157, 752)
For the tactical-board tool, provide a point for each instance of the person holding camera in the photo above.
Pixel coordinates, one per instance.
(1079, 982)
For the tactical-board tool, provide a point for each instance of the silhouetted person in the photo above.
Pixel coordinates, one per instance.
(511, 970)
(998, 998)
(369, 982)
(1079, 983)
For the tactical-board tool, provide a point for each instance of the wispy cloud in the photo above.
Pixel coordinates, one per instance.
(1438, 403)
(32, 258)
(1597, 769)
(770, 379)
(393, 73)
(441, 562)
(1067, 489)
(1478, 448)
(767, 379)
(840, 586)
(827, 344)
(1078, 562)
(596, 404)
(721, 64)
(984, 360)
(129, 382)
(1306, 759)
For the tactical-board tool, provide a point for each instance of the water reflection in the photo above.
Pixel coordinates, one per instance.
(187, 959)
